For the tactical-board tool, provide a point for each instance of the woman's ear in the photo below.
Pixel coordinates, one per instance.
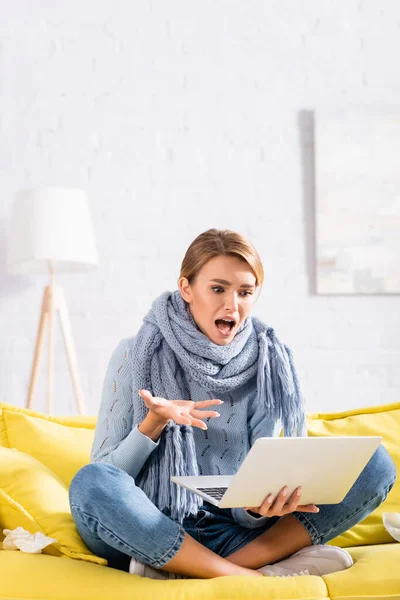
(184, 287)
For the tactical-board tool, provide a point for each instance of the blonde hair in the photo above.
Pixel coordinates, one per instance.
(220, 242)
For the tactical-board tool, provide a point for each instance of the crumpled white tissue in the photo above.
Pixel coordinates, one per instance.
(20, 539)
(391, 521)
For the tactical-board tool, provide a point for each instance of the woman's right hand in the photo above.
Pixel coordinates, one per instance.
(282, 505)
(183, 412)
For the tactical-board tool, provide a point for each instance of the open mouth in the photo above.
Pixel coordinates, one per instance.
(225, 326)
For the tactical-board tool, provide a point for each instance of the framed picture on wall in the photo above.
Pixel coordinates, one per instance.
(357, 170)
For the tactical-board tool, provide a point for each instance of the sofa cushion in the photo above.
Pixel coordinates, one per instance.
(381, 420)
(61, 443)
(374, 576)
(33, 497)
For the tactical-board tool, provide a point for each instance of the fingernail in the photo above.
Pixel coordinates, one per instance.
(299, 491)
(205, 427)
(316, 509)
(217, 414)
(269, 498)
(285, 491)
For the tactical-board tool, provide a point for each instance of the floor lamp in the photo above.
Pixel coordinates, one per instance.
(51, 231)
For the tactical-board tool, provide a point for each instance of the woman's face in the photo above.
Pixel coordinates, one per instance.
(221, 297)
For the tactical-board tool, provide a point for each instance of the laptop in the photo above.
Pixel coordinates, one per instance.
(325, 467)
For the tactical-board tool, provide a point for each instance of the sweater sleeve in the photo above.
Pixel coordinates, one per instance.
(116, 440)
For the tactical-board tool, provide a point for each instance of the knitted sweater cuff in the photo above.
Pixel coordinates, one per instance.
(243, 518)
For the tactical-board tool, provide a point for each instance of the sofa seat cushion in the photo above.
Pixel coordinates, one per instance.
(61, 443)
(375, 574)
(52, 578)
(381, 420)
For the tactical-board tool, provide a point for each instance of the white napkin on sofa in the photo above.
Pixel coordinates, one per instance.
(20, 539)
(391, 522)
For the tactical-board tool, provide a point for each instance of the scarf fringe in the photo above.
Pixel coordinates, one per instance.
(175, 455)
(278, 385)
(265, 395)
(299, 413)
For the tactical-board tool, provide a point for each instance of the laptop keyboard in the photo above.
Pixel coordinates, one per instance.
(214, 492)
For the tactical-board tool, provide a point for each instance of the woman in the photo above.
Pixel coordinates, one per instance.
(199, 349)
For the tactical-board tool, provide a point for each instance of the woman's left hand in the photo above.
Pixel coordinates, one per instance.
(278, 508)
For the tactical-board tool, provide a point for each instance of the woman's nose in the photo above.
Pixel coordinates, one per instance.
(231, 302)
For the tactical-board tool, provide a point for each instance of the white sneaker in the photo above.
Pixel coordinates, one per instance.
(312, 560)
(138, 568)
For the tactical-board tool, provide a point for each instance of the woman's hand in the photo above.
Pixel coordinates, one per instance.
(183, 412)
(278, 508)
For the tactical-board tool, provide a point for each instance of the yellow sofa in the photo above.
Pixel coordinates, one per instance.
(39, 455)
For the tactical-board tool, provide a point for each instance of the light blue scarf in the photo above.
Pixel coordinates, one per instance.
(170, 343)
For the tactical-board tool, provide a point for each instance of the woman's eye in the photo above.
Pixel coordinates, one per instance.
(243, 294)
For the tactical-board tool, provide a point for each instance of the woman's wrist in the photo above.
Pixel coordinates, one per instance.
(152, 426)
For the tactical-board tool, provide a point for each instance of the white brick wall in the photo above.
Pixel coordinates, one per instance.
(179, 116)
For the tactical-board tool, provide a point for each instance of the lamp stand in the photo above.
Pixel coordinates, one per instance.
(54, 301)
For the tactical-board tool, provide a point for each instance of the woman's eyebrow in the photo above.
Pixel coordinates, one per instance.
(224, 282)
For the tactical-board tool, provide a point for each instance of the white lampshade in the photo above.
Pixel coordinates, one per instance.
(51, 224)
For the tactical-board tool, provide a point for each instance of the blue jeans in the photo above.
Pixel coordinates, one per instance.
(116, 520)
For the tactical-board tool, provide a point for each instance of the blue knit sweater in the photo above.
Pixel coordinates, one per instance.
(219, 450)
